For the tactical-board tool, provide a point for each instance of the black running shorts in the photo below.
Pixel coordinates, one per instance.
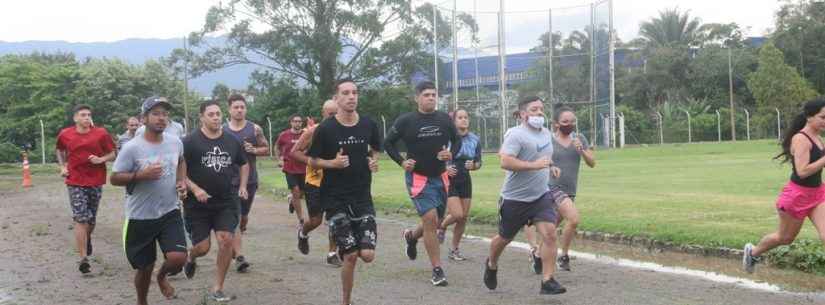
(140, 237)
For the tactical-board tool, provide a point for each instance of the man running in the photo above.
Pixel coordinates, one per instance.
(426, 133)
(254, 144)
(153, 171)
(461, 184)
(82, 152)
(345, 146)
(315, 207)
(526, 156)
(132, 124)
(294, 170)
(213, 203)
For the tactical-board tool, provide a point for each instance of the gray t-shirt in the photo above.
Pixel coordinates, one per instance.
(151, 199)
(174, 128)
(567, 159)
(526, 144)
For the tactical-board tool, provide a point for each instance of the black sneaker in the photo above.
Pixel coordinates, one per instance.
(411, 243)
(333, 260)
(552, 287)
(303, 241)
(564, 262)
(84, 266)
(439, 279)
(241, 265)
(490, 276)
(536, 262)
(749, 261)
(189, 269)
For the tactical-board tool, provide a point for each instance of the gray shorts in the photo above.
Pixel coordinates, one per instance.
(513, 215)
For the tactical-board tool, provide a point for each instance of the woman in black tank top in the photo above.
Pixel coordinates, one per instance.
(804, 194)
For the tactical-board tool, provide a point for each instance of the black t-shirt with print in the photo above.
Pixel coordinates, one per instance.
(209, 164)
(424, 135)
(330, 136)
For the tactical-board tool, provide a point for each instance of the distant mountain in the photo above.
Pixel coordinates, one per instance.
(136, 51)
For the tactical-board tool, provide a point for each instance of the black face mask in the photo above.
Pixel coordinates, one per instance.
(567, 129)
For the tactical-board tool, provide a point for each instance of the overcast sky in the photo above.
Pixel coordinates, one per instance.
(111, 20)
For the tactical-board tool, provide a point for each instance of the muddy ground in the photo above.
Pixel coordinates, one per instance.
(38, 266)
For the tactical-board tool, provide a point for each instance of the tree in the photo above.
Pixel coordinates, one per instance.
(671, 28)
(777, 85)
(800, 35)
(315, 42)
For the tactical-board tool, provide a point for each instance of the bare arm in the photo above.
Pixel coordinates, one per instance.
(244, 175)
(262, 149)
(299, 150)
(512, 163)
(589, 157)
(801, 151)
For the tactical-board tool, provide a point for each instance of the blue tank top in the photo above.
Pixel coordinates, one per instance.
(814, 180)
(246, 134)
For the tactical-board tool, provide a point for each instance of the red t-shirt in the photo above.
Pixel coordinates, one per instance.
(286, 140)
(78, 148)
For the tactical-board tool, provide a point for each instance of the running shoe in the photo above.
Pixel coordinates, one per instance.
(241, 265)
(289, 203)
(303, 241)
(490, 276)
(564, 262)
(456, 255)
(439, 279)
(84, 266)
(749, 261)
(189, 269)
(410, 245)
(552, 287)
(333, 260)
(218, 296)
(535, 261)
(441, 235)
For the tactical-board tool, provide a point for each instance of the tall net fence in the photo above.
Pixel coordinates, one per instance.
(562, 55)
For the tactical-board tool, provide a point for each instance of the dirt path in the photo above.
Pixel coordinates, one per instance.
(38, 266)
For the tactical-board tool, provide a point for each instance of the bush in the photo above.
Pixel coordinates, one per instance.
(805, 254)
(9, 153)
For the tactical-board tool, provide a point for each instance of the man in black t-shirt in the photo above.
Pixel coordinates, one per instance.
(426, 133)
(345, 146)
(213, 203)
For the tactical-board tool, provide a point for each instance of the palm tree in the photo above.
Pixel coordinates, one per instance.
(671, 28)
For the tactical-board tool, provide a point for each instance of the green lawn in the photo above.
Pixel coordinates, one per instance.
(706, 194)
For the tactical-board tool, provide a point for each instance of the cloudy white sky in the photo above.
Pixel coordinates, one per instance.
(111, 20)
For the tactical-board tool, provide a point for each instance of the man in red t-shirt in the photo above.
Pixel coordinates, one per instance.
(294, 170)
(82, 152)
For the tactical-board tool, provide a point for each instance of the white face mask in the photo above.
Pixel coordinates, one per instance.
(536, 122)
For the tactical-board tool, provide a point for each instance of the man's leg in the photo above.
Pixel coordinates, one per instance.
(143, 278)
(173, 263)
(296, 197)
(547, 231)
(81, 237)
(348, 276)
(224, 240)
(429, 225)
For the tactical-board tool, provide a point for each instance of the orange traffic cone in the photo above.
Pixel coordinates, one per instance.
(27, 175)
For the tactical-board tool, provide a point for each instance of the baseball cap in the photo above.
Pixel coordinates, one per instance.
(152, 101)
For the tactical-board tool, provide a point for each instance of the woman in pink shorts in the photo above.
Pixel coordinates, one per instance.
(804, 195)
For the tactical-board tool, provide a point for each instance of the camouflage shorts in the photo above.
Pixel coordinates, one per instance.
(84, 202)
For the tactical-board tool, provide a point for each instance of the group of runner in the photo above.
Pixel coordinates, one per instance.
(212, 171)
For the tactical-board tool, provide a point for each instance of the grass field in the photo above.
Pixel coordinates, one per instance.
(710, 194)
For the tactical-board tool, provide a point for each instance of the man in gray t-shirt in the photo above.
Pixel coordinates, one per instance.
(152, 169)
(526, 155)
(173, 128)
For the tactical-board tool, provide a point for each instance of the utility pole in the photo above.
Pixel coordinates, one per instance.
(730, 85)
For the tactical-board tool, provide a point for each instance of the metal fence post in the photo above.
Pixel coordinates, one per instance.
(747, 124)
(690, 136)
(719, 125)
(778, 124)
(661, 126)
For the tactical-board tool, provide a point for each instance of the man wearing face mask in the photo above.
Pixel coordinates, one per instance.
(526, 156)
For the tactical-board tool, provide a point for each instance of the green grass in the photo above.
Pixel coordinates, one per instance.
(710, 194)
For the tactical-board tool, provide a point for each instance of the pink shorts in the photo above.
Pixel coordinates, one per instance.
(799, 201)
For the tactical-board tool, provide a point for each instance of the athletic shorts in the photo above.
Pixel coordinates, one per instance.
(315, 207)
(461, 186)
(295, 180)
(513, 215)
(428, 193)
(351, 220)
(799, 201)
(140, 237)
(246, 204)
(201, 219)
(84, 202)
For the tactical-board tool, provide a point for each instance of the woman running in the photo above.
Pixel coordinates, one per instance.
(804, 194)
(461, 186)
